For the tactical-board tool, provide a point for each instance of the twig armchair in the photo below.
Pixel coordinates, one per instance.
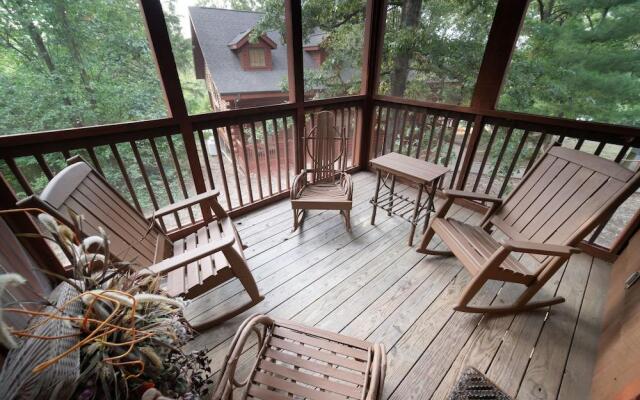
(296, 361)
(564, 197)
(326, 185)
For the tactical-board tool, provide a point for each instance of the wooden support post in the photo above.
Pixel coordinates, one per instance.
(497, 54)
(163, 55)
(375, 18)
(293, 21)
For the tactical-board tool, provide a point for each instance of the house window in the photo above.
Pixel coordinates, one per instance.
(257, 58)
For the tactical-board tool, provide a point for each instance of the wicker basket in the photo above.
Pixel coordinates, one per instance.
(17, 381)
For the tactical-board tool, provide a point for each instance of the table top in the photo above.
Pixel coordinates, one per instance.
(418, 171)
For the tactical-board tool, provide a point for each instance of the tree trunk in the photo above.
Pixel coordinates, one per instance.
(74, 49)
(409, 20)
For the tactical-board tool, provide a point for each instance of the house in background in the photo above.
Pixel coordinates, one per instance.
(239, 73)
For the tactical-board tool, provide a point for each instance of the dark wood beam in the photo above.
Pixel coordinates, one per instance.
(502, 38)
(160, 41)
(293, 21)
(375, 20)
(163, 55)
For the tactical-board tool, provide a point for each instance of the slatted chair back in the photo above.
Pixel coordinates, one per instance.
(566, 195)
(82, 190)
(325, 145)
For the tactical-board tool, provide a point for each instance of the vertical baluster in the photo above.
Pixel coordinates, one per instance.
(386, 129)
(265, 135)
(342, 130)
(353, 117)
(621, 153)
(579, 144)
(145, 178)
(94, 159)
(176, 165)
(66, 154)
(434, 121)
(467, 130)
(247, 173)
(235, 164)
(43, 166)
(496, 166)
(163, 177)
(376, 136)
(485, 157)
(443, 131)
(398, 128)
(286, 151)
(412, 131)
(600, 148)
(225, 184)
(423, 123)
(454, 131)
(11, 163)
(402, 128)
(276, 135)
(125, 175)
(513, 164)
(255, 151)
(536, 151)
(205, 156)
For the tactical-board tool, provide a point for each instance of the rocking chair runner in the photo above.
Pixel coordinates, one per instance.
(201, 257)
(330, 188)
(564, 197)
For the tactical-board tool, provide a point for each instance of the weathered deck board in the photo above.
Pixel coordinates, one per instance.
(369, 284)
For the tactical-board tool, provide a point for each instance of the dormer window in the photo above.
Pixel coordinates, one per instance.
(253, 55)
(257, 58)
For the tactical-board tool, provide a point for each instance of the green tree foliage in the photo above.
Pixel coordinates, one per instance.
(578, 59)
(74, 63)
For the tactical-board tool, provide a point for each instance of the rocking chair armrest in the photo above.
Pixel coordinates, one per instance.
(539, 248)
(237, 346)
(297, 184)
(190, 256)
(461, 194)
(179, 205)
(347, 184)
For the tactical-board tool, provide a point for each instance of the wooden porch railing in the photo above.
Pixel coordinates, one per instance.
(489, 152)
(251, 155)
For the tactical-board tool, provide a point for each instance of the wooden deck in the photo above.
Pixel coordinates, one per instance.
(371, 285)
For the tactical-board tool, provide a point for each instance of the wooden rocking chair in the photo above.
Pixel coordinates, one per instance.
(564, 197)
(195, 260)
(330, 188)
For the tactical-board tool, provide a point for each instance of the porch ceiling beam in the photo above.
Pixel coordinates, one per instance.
(501, 42)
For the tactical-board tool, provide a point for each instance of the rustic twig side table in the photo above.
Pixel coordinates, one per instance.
(424, 174)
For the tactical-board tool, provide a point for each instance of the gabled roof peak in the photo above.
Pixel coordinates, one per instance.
(243, 37)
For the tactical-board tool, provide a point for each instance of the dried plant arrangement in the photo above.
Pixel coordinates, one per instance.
(113, 318)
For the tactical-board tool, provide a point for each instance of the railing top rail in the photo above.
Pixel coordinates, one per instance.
(618, 134)
(84, 134)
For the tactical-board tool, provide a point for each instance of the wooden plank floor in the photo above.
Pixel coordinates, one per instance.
(371, 285)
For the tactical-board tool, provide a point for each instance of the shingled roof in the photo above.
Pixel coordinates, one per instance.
(215, 28)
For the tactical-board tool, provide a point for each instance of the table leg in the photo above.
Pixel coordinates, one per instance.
(393, 186)
(374, 201)
(416, 212)
(430, 205)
